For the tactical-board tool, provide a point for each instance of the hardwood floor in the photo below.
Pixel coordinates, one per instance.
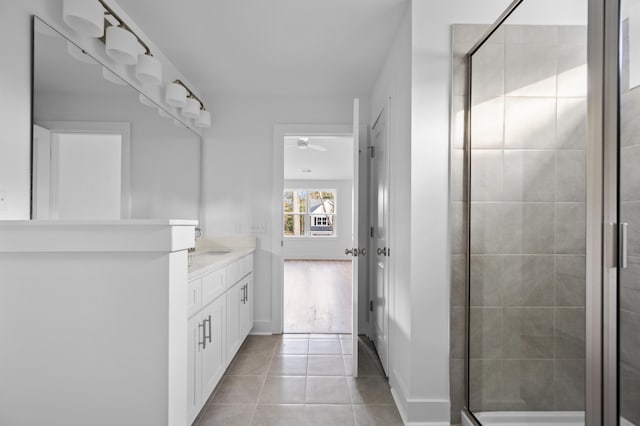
(317, 296)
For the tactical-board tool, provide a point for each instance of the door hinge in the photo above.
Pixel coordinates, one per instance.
(281, 243)
(372, 151)
(372, 232)
(371, 305)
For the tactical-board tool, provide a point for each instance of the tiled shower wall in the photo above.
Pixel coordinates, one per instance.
(630, 213)
(528, 219)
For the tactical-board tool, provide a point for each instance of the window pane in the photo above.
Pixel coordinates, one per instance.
(293, 224)
(321, 225)
(295, 201)
(322, 202)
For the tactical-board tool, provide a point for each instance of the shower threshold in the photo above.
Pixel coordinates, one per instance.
(532, 418)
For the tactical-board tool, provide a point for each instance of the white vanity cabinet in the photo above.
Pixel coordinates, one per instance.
(220, 311)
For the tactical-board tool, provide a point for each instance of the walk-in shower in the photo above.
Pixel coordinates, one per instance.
(545, 186)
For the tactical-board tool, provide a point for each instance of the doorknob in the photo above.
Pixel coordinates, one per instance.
(362, 251)
(382, 251)
(349, 252)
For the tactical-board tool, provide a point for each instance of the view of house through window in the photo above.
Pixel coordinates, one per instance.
(309, 213)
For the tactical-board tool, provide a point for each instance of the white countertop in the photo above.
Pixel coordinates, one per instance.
(202, 264)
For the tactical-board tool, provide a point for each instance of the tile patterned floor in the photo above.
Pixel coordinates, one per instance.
(300, 379)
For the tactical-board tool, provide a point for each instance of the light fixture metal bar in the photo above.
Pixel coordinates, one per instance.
(123, 24)
(191, 94)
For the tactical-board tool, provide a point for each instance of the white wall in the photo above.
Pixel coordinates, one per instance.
(165, 159)
(238, 173)
(15, 90)
(324, 247)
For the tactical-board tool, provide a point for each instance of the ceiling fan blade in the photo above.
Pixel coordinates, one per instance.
(317, 147)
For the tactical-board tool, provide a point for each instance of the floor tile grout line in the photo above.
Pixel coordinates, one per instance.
(264, 381)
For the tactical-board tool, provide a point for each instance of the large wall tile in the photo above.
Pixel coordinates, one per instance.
(458, 315)
(457, 122)
(525, 34)
(488, 71)
(570, 228)
(529, 123)
(630, 173)
(570, 331)
(630, 213)
(572, 34)
(629, 393)
(569, 384)
(456, 386)
(486, 226)
(486, 169)
(486, 280)
(630, 338)
(527, 333)
(458, 227)
(570, 176)
(570, 280)
(527, 228)
(528, 281)
(571, 131)
(457, 175)
(487, 123)
(629, 113)
(485, 333)
(530, 69)
(630, 285)
(458, 279)
(572, 70)
(528, 384)
(485, 384)
(529, 175)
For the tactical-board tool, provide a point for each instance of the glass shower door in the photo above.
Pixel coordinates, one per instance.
(629, 216)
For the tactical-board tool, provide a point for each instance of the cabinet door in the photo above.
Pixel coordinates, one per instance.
(194, 365)
(214, 355)
(246, 308)
(234, 301)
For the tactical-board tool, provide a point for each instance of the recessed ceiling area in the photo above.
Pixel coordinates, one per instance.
(335, 162)
(273, 47)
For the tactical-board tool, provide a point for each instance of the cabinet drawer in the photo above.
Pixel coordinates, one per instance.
(239, 269)
(194, 296)
(213, 285)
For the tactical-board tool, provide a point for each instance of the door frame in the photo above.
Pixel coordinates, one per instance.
(385, 112)
(122, 128)
(280, 131)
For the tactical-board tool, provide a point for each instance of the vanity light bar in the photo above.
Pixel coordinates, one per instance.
(123, 25)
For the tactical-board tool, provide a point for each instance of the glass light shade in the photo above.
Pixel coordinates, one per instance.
(121, 45)
(146, 101)
(175, 95)
(84, 16)
(76, 53)
(148, 69)
(191, 109)
(204, 120)
(163, 113)
(112, 77)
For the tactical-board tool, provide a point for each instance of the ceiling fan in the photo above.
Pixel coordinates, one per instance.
(303, 143)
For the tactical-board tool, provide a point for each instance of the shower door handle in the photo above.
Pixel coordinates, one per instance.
(624, 249)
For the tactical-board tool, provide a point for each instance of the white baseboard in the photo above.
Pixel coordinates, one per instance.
(419, 412)
(262, 327)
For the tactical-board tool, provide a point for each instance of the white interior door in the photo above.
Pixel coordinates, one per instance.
(379, 260)
(354, 232)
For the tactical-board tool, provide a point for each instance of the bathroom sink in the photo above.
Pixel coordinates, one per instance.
(214, 252)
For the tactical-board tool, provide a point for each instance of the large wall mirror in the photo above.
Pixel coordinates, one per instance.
(102, 150)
